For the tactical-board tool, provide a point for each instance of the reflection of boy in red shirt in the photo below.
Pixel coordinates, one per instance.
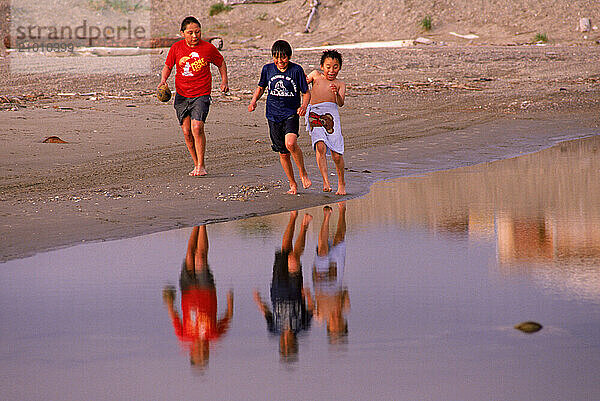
(198, 324)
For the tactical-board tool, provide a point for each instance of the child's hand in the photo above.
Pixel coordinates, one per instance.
(252, 106)
(301, 110)
(161, 84)
(168, 295)
(333, 88)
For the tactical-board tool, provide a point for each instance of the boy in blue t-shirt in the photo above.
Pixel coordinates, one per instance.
(287, 99)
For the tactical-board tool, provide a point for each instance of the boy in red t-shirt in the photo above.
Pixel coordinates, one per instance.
(192, 57)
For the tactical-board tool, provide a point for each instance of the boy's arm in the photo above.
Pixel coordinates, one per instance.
(230, 304)
(310, 78)
(340, 94)
(304, 105)
(260, 303)
(310, 306)
(164, 75)
(257, 94)
(224, 80)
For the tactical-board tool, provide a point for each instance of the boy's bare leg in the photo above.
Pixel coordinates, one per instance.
(200, 146)
(340, 232)
(286, 163)
(291, 143)
(186, 127)
(190, 256)
(202, 249)
(338, 160)
(323, 241)
(288, 234)
(321, 150)
(294, 256)
(196, 257)
(301, 240)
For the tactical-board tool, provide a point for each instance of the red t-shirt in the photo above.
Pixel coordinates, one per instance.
(199, 316)
(193, 77)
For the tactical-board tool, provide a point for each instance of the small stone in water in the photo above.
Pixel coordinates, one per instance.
(529, 327)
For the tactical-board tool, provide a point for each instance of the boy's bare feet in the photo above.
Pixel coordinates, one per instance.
(293, 190)
(198, 171)
(327, 211)
(341, 190)
(306, 182)
(327, 188)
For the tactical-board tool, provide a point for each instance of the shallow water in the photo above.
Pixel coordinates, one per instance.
(438, 269)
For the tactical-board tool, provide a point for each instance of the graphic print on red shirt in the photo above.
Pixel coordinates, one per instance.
(193, 77)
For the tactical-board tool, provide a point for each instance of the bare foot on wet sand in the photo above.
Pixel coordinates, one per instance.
(306, 182)
(341, 190)
(197, 172)
(326, 187)
(293, 190)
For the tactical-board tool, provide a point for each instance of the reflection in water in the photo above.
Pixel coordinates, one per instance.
(198, 325)
(441, 268)
(292, 303)
(331, 297)
(542, 210)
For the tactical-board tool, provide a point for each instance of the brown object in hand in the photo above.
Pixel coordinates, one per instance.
(216, 41)
(163, 93)
(53, 139)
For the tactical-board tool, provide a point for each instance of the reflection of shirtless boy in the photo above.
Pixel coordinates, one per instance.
(323, 119)
(331, 297)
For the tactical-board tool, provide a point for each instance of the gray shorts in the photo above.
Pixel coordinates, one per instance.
(195, 107)
(192, 279)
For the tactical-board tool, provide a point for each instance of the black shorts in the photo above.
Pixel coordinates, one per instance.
(192, 279)
(195, 107)
(278, 131)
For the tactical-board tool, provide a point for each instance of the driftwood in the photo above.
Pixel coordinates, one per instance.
(314, 4)
(435, 85)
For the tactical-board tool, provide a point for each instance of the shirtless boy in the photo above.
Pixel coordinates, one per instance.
(323, 119)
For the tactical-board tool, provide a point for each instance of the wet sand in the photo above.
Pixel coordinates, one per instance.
(124, 169)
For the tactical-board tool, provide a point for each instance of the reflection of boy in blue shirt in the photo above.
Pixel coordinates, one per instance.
(287, 99)
(292, 307)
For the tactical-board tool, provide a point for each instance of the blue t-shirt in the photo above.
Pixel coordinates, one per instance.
(284, 90)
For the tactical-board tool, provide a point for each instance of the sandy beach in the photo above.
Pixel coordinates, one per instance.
(123, 170)
(463, 263)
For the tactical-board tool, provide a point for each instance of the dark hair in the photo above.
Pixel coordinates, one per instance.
(332, 54)
(281, 47)
(189, 20)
